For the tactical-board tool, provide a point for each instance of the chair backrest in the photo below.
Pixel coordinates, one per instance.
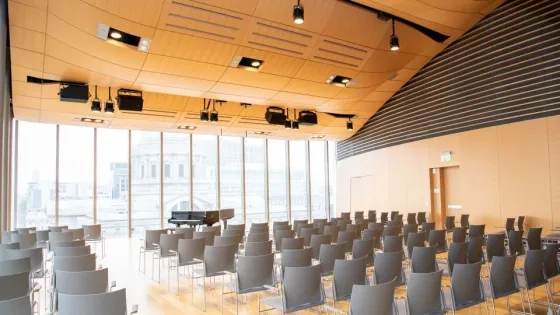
(345, 216)
(459, 235)
(423, 293)
(237, 227)
(334, 221)
(369, 234)
(17, 306)
(15, 266)
(328, 254)
(407, 229)
(302, 288)
(208, 236)
(71, 251)
(292, 243)
(190, 249)
(321, 226)
(361, 249)
(77, 243)
(372, 216)
(152, 237)
(216, 229)
(534, 238)
(551, 263)
(225, 240)
(503, 280)
(260, 224)
(296, 258)
(346, 274)
(449, 223)
(457, 255)
(476, 230)
(466, 286)
(376, 226)
(316, 242)
(14, 286)
(74, 263)
(427, 227)
(92, 231)
(388, 266)
(42, 235)
(384, 217)
(474, 252)
(257, 237)
(55, 237)
(83, 282)
(259, 229)
(415, 240)
(187, 232)
(391, 230)
(393, 223)
(520, 222)
(515, 243)
(231, 232)
(302, 226)
(353, 228)
(411, 218)
(346, 238)
(394, 215)
(280, 223)
(34, 254)
(25, 240)
(58, 228)
(110, 303)
(169, 242)
(342, 224)
(421, 218)
(297, 223)
(495, 246)
(6, 237)
(510, 224)
(258, 248)
(77, 233)
(13, 245)
(465, 220)
(358, 215)
(393, 244)
(254, 272)
(332, 231)
(306, 234)
(279, 235)
(424, 260)
(533, 267)
(366, 298)
(438, 239)
(219, 259)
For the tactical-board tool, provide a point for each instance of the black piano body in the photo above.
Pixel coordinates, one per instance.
(195, 218)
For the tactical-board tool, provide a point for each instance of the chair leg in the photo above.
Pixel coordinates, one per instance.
(223, 279)
(486, 304)
(204, 291)
(103, 247)
(529, 301)
(522, 301)
(139, 260)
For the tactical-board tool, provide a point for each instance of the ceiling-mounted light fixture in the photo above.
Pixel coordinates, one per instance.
(288, 122)
(109, 105)
(394, 40)
(349, 125)
(214, 113)
(96, 103)
(204, 112)
(295, 123)
(298, 13)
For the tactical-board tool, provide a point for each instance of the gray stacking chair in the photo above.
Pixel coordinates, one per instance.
(334, 221)
(257, 229)
(302, 289)
(391, 230)
(411, 219)
(346, 238)
(58, 228)
(17, 306)
(258, 248)
(26, 230)
(414, 240)
(407, 229)
(465, 220)
(361, 249)
(423, 260)
(346, 274)
(427, 227)
(321, 226)
(368, 234)
(34, 254)
(332, 231)
(15, 266)
(345, 216)
(376, 226)
(189, 252)
(42, 238)
(83, 282)
(236, 234)
(216, 229)
(372, 216)
(238, 227)
(373, 300)
(77, 243)
(225, 240)
(279, 236)
(74, 263)
(276, 224)
(502, 281)
(394, 215)
(259, 224)
(358, 215)
(57, 237)
(342, 224)
(533, 275)
(6, 237)
(438, 239)
(316, 242)
(393, 243)
(515, 243)
(353, 228)
(295, 258)
(384, 217)
(551, 263)
(306, 234)
(388, 266)
(297, 223)
(476, 230)
(424, 295)
(13, 245)
(534, 238)
(208, 235)
(495, 246)
(303, 226)
(71, 251)
(93, 233)
(457, 255)
(257, 237)
(475, 252)
(459, 235)
(15, 286)
(316, 222)
(111, 303)
(449, 223)
(510, 226)
(25, 240)
(187, 232)
(167, 248)
(328, 255)
(281, 227)
(218, 261)
(253, 274)
(421, 218)
(78, 233)
(292, 243)
(520, 222)
(466, 288)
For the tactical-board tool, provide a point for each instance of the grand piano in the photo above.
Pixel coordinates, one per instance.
(196, 218)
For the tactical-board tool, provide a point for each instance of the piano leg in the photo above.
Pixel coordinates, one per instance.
(225, 223)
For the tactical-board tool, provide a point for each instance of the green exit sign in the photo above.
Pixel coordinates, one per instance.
(445, 156)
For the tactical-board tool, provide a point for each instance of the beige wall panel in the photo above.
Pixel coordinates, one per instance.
(182, 67)
(525, 171)
(235, 89)
(554, 151)
(26, 16)
(380, 172)
(320, 72)
(417, 171)
(140, 11)
(26, 102)
(56, 69)
(27, 39)
(26, 59)
(312, 88)
(168, 80)
(397, 177)
(250, 78)
(317, 13)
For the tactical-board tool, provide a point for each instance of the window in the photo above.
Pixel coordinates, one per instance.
(204, 168)
(176, 191)
(318, 175)
(75, 204)
(34, 204)
(277, 180)
(298, 180)
(231, 176)
(332, 177)
(143, 172)
(255, 180)
(112, 181)
(145, 201)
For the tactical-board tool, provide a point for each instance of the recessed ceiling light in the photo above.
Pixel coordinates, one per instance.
(255, 63)
(143, 47)
(145, 42)
(187, 127)
(340, 81)
(92, 120)
(345, 80)
(261, 133)
(318, 136)
(86, 119)
(246, 63)
(116, 35)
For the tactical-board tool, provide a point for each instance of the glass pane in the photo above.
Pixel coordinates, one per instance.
(318, 155)
(278, 180)
(332, 177)
(112, 181)
(231, 176)
(298, 180)
(145, 158)
(75, 192)
(255, 180)
(205, 169)
(176, 180)
(36, 175)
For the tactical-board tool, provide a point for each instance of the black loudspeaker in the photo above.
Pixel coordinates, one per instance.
(307, 118)
(74, 93)
(275, 116)
(130, 100)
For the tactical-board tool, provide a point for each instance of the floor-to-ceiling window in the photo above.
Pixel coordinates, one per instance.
(299, 180)
(332, 177)
(318, 177)
(36, 175)
(112, 181)
(176, 174)
(205, 172)
(231, 176)
(255, 180)
(278, 180)
(145, 181)
(75, 192)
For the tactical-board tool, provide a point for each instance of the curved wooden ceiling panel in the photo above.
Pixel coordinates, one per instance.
(194, 42)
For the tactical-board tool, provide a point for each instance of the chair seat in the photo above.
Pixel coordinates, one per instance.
(523, 282)
(449, 302)
(488, 290)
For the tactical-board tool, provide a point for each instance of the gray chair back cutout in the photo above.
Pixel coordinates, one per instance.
(515, 243)
(187, 232)
(25, 240)
(388, 266)
(438, 238)
(466, 287)
(17, 306)
(71, 251)
(465, 220)
(476, 230)
(361, 249)
(111, 303)
(316, 242)
(292, 243)
(449, 223)
(92, 232)
(502, 279)
(332, 231)
(257, 237)
(258, 248)
(415, 240)
(421, 218)
(373, 300)
(254, 272)
(15, 266)
(495, 246)
(225, 240)
(296, 258)
(328, 255)
(411, 218)
(208, 236)
(14, 286)
(393, 243)
(475, 253)
(218, 259)
(83, 282)
(533, 268)
(534, 238)
(348, 273)
(302, 288)
(189, 250)
(424, 260)
(551, 264)
(457, 255)
(423, 293)
(407, 229)
(74, 263)
(459, 235)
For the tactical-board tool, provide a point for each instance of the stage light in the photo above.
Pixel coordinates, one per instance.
(109, 105)
(349, 125)
(394, 40)
(214, 117)
(116, 35)
(96, 103)
(298, 13)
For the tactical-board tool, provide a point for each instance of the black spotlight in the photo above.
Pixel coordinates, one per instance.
(349, 125)
(214, 116)
(109, 105)
(295, 125)
(96, 103)
(394, 40)
(288, 124)
(298, 13)
(204, 116)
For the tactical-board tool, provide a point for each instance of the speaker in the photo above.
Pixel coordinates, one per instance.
(275, 116)
(74, 93)
(307, 118)
(130, 100)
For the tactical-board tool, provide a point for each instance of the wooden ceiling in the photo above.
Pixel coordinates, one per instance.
(193, 43)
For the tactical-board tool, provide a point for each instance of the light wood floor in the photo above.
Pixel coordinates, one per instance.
(154, 299)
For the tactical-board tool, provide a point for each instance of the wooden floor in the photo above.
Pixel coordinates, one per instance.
(154, 299)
